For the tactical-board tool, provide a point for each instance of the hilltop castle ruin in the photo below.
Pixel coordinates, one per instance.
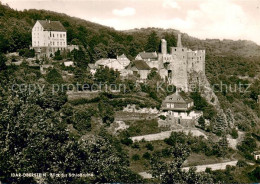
(182, 67)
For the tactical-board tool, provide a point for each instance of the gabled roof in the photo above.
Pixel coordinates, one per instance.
(178, 98)
(105, 61)
(51, 25)
(140, 65)
(148, 55)
(123, 56)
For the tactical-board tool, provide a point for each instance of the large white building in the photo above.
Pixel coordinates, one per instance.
(48, 37)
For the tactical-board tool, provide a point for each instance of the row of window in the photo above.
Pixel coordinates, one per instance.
(172, 105)
(56, 49)
(51, 43)
(61, 35)
(38, 29)
(181, 50)
(58, 43)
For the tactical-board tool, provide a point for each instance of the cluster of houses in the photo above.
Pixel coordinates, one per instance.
(177, 67)
(122, 64)
(181, 67)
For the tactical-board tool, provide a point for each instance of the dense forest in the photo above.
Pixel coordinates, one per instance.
(44, 133)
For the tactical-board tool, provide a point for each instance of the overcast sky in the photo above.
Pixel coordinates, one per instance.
(229, 19)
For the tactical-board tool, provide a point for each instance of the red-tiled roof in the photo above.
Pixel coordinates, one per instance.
(52, 25)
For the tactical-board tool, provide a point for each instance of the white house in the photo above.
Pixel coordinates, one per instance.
(110, 63)
(69, 63)
(48, 37)
(139, 68)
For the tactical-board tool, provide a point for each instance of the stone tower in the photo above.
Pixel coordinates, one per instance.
(163, 46)
(179, 44)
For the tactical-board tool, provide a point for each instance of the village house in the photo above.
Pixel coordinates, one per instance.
(177, 102)
(49, 37)
(119, 64)
(151, 59)
(110, 63)
(178, 110)
(139, 68)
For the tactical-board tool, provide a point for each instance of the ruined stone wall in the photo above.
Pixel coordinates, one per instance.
(196, 61)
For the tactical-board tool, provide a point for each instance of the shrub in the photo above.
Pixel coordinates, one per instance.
(162, 117)
(166, 152)
(82, 120)
(135, 157)
(147, 155)
(28, 53)
(149, 146)
(201, 122)
(54, 77)
(126, 141)
(136, 145)
(57, 55)
(241, 163)
(255, 174)
(234, 133)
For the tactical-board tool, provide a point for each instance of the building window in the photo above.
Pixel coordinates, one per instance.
(50, 34)
(182, 50)
(64, 35)
(53, 43)
(53, 35)
(64, 43)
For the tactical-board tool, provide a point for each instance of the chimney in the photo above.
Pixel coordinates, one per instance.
(49, 21)
(46, 20)
(179, 41)
(163, 46)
